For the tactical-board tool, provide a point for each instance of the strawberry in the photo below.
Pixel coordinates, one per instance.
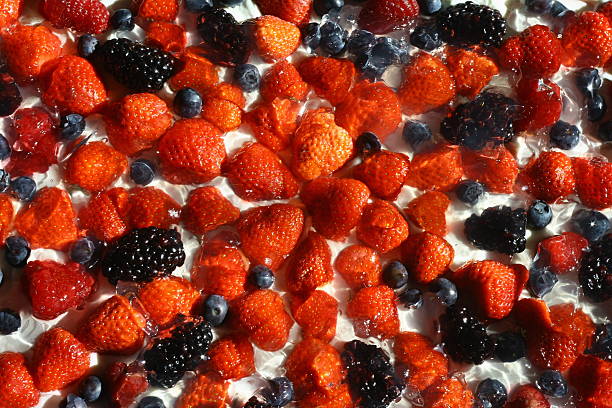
(227, 92)
(225, 115)
(316, 314)
(104, 214)
(87, 16)
(562, 253)
(17, 389)
(369, 107)
(339, 397)
(295, 11)
(534, 53)
(319, 146)
(71, 85)
(159, 10)
(335, 205)
(58, 359)
(283, 80)
(6, 216)
(592, 378)
(231, 357)
(309, 267)
(114, 327)
(424, 364)
(262, 316)
(205, 390)
(587, 40)
(197, 72)
(273, 123)
(207, 209)
(382, 16)
(449, 392)
(95, 166)
(428, 212)
(426, 256)
(471, 70)
(527, 396)
(593, 182)
(191, 152)
(496, 168)
(275, 38)
(10, 11)
(166, 298)
(427, 84)
(256, 173)
(549, 177)
(382, 226)
(542, 104)
(151, 207)
(220, 269)
(330, 78)
(359, 266)
(439, 169)
(552, 350)
(384, 173)
(605, 9)
(136, 122)
(573, 321)
(27, 48)
(48, 221)
(125, 383)
(374, 312)
(167, 36)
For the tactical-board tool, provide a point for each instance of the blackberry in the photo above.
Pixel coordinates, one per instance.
(10, 96)
(484, 122)
(136, 66)
(143, 254)
(500, 229)
(602, 342)
(469, 24)
(465, 339)
(226, 41)
(169, 358)
(595, 275)
(371, 377)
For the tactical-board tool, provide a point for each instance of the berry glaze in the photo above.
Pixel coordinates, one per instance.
(424, 319)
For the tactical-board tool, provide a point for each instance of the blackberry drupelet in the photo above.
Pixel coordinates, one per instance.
(595, 275)
(169, 358)
(371, 377)
(136, 66)
(484, 122)
(143, 254)
(226, 41)
(500, 229)
(465, 339)
(469, 24)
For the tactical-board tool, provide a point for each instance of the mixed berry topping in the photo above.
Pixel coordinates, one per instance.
(500, 229)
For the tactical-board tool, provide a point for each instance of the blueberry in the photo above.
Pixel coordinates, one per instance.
(604, 133)
(262, 277)
(23, 188)
(188, 103)
(395, 275)
(281, 392)
(197, 6)
(71, 126)
(151, 402)
(10, 321)
(541, 281)
(142, 171)
(552, 383)
(591, 224)
(429, 7)
(333, 38)
(10, 95)
(87, 45)
(557, 9)
(416, 134)
(470, 191)
(322, 7)
(5, 180)
(5, 148)
(229, 3)
(539, 215)
(367, 143)
(509, 346)
(215, 309)
(538, 6)
(492, 393)
(386, 52)
(311, 36)
(73, 401)
(602, 342)
(85, 250)
(596, 107)
(17, 251)
(426, 37)
(368, 68)
(360, 42)
(412, 298)
(91, 388)
(588, 81)
(445, 291)
(564, 136)
(122, 19)
(247, 76)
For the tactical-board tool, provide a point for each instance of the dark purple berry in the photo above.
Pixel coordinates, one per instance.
(91, 388)
(426, 37)
(226, 41)
(333, 38)
(464, 337)
(360, 42)
(509, 346)
(470, 191)
(10, 96)
(215, 310)
(188, 103)
(500, 229)
(5, 148)
(429, 7)
(142, 171)
(322, 7)
(416, 134)
(541, 281)
(71, 126)
(591, 224)
(10, 321)
(395, 275)
(367, 144)
(151, 401)
(87, 45)
(247, 77)
(16, 251)
(492, 393)
(122, 19)
(311, 35)
(595, 274)
(552, 383)
(262, 277)
(198, 6)
(411, 298)
(596, 107)
(445, 291)
(539, 215)
(23, 188)
(602, 342)
(538, 6)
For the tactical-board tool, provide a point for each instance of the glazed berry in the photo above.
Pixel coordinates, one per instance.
(188, 103)
(5, 180)
(416, 134)
(143, 254)
(371, 376)
(591, 224)
(552, 383)
(558, 10)
(142, 171)
(596, 107)
(564, 136)
(122, 19)
(469, 24)
(604, 133)
(10, 321)
(281, 392)
(5, 148)
(215, 310)
(169, 358)
(311, 35)
(539, 215)
(470, 191)
(322, 7)
(388, 51)
(588, 81)
(151, 401)
(426, 37)
(225, 41)
(360, 42)
(367, 143)
(395, 275)
(23, 188)
(445, 291)
(602, 342)
(262, 277)
(91, 388)
(429, 7)
(412, 298)
(86, 45)
(16, 251)
(500, 229)
(465, 338)
(198, 6)
(71, 126)
(73, 401)
(10, 96)
(247, 77)
(333, 38)
(369, 68)
(595, 274)
(492, 393)
(85, 250)
(538, 6)
(541, 281)
(509, 346)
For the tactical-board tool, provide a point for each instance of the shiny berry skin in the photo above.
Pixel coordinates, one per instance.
(411, 298)
(215, 310)
(369, 68)
(281, 392)
(429, 7)
(85, 250)
(445, 291)
(122, 19)
(311, 35)
(416, 134)
(595, 274)
(500, 229)
(604, 133)
(588, 81)
(17, 251)
(262, 277)
(5, 148)
(73, 401)
(564, 136)
(426, 37)
(509, 346)
(5, 180)
(538, 6)
(142, 171)
(465, 338)
(367, 143)
(591, 224)
(333, 38)
(602, 342)
(71, 126)
(10, 321)
(91, 388)
(541, 281)
(188, 103)
(395, 275)
(322, 7)
(469, 191)
(360, 42)
(552, 383)
(151, 402)
(387, 51)
(23, 188)
(225, 40)
(469, 24)
(558, 9)
(539, 215)
(86, 45)
(596, 107)
(198, 6)
(492, 393)
(10, 96)
(247, 77)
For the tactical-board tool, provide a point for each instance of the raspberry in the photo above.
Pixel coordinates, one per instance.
(595, 274)
(468, 24)
(500, 229)
(465, 338)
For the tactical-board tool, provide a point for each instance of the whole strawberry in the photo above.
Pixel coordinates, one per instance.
(374, 312)
(541, 104)
(549, 177)
(197, 72)
(316, 314)
(222, 113)
(283, 80)
(159, 10)
(296, 11)
(527, 396)
(384, 173)
(439, 169)
(310, 265)
(207, 209)
(593, 182)
(587, 40)
(471, 69)
(205, 390)
(273, 123)
(17, 389)
(330, 78)
(448, 392)
(496, 168)
(275, 38)
(232, 357)
(428, 212)
(359, 266)
(591, 377)
(425, 364)
(104, 216)
(382, 16)
(426, 256)
(95, 166)
(87, 16)
(220, 269)
(165, 298)
(382, 226)
(151, 207)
